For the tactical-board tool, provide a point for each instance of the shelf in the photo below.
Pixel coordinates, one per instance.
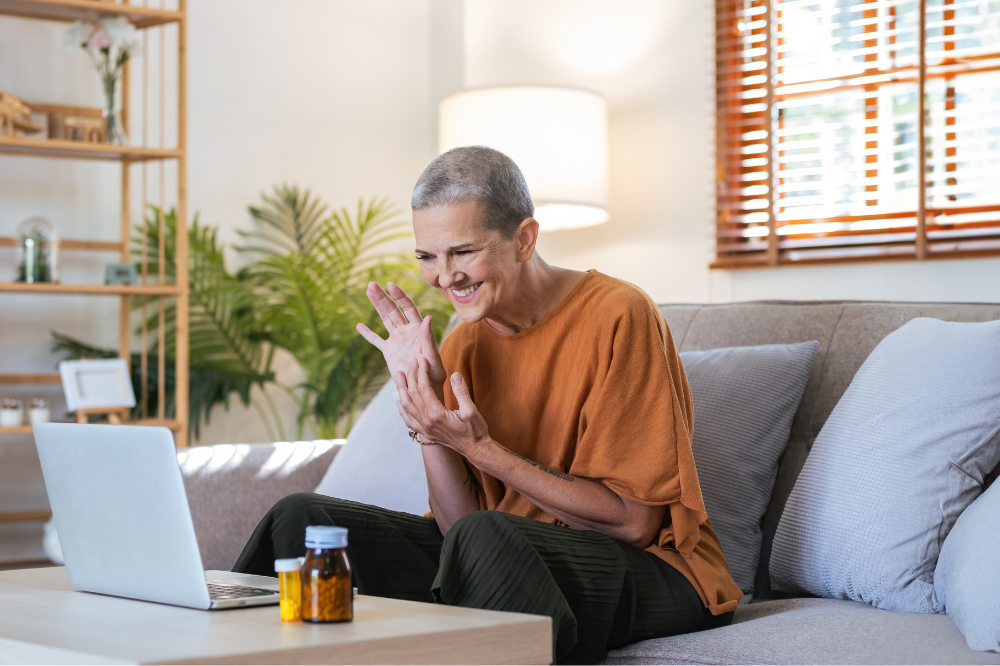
(67, 244)
(164, 423)
(79, 150)
(86, 10)
(90, 289)
(35, 379)
(16, 430)
(25, 517)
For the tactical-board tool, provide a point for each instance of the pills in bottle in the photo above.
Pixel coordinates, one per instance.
(290, 588)
(326, 576)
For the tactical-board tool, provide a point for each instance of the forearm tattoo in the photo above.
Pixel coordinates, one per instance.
(474, 488)
(554, 472)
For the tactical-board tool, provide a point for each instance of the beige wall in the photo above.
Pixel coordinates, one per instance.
(652, 59)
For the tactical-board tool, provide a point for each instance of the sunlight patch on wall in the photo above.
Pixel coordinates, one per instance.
(597, 37)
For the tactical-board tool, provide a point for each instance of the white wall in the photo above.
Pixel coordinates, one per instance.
(334, 96)
(652, 60)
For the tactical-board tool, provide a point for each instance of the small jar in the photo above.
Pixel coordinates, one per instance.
(290, 588)
(38, 411)
(326, 576)
(10, 413)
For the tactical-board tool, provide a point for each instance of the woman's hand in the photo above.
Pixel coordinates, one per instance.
(461, 430)
(410, 337)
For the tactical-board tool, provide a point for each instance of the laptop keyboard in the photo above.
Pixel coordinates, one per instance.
(219, 592)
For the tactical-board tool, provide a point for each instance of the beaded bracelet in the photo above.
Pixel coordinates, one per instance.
(415, 436)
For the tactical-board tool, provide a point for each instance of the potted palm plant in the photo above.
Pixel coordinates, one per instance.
(302, 290)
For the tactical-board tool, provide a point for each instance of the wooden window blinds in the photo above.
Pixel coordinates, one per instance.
(820, 151)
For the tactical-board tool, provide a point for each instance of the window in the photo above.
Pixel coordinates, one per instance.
(820, 152)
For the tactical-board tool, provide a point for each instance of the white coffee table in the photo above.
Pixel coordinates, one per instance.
(43, 620)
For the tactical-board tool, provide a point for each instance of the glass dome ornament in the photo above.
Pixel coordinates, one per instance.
(37, 251)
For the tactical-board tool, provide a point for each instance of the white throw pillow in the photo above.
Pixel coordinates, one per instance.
(379, 464)
(967, 577)
(904, 452)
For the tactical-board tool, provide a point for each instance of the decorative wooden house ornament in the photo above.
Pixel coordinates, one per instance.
(15, 116)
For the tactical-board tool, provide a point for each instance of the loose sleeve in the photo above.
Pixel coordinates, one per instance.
(636, 424)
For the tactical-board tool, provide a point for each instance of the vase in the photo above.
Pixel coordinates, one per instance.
(114, 131)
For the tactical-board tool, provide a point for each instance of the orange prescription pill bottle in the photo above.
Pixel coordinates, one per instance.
(326, 576)
(290, 588)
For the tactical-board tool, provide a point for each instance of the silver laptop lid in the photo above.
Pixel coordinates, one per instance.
(119, 505)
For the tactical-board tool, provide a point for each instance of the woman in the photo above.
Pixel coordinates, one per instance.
(555, 427)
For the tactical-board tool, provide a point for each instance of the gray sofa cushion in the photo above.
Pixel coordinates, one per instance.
(230, 487)
(813, 631)
(967, 576)
(744, 402)
(905, 451)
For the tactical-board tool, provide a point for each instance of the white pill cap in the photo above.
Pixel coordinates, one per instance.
(324, 536)
(290, 564)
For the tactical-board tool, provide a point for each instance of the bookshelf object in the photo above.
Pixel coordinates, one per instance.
(50, 130)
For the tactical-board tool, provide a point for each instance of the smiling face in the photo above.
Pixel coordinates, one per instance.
(473, 267)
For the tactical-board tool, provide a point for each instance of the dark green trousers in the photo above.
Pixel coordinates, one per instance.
(600, 593)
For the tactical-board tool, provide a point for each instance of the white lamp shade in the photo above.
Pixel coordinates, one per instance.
(557, 136)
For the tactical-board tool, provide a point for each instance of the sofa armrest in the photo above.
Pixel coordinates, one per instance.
(230, 487)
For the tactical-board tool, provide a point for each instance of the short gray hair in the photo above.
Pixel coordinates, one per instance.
(477, 173)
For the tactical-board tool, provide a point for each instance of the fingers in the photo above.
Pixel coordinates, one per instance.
(386, 308)
(423, 376)
(399, 379)
(405, 302)
(408, 419)
(412, 382)
(371, 336)
(466, 408)
(428, 332)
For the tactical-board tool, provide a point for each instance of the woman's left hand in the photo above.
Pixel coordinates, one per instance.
(461, 430)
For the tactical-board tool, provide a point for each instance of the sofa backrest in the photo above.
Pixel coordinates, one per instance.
(847, 331)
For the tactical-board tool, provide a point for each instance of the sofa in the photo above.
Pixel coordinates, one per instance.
(230, 487)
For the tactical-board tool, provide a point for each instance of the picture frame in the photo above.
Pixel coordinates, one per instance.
(97, 384)
(120, 274)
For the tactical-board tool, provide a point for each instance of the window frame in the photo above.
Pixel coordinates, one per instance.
(735, 246)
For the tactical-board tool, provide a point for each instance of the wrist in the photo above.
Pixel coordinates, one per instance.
(477, 450)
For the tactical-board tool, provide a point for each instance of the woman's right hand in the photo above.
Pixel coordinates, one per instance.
(410, 337)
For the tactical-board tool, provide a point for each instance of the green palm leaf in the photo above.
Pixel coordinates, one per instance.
(312, 295)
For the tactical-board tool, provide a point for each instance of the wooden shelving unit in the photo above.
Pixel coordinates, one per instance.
(25, 517)
(90, 289)
(154, 287)
(77, 150)
(88, 10)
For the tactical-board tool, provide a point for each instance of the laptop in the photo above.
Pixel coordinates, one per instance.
(118, 500)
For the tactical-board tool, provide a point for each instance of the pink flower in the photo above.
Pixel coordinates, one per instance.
(99, 39)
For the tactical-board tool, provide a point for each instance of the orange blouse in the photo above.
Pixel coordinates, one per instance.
(596, 389)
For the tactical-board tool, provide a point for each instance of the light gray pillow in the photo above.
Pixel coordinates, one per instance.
(967, 577)
(744, 401)
(903, 453)
(379, 464)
